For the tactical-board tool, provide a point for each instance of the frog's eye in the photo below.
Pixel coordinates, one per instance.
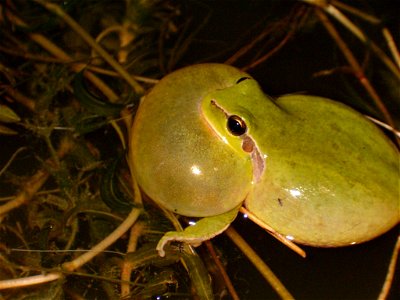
(236, 125)
(242, 79)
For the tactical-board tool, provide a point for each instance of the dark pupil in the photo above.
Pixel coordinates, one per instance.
(236, 125)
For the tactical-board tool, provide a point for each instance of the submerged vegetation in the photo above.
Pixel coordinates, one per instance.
(73, 223)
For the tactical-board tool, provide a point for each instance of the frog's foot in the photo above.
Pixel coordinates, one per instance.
(204, 229)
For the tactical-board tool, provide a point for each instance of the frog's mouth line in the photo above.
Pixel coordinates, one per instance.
(249, 145)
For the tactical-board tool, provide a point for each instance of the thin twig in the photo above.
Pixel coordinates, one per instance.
(20, 98)
(29, 281)
(270, 30)
(9, 162)
(362, 37)
(227, 280)
(358, 71)
(29, 56)
(271, 52)
(104, 244)
(35, 182)
(92, 43)
(384, 125)
(392, 45)
(246, 48)
(95, 69)
(126, 269)
(346, 22)
(60, 54)
(390, 273)
(272, 232)
(356, 12)
(265, 271)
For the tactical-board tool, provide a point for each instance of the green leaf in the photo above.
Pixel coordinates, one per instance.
(198, 273)
(7, 115)
(7, 131)
(199, 276)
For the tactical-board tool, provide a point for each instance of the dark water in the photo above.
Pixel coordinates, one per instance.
(356, 272)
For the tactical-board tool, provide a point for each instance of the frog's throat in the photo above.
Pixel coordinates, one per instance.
(250, 146)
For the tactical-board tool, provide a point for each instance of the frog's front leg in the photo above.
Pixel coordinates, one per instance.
(204, 229)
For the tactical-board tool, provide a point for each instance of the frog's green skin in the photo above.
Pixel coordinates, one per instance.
(313, 169)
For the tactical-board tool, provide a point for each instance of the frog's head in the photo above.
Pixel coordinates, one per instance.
(233, 115)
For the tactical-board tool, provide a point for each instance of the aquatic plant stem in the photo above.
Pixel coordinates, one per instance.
(36, 181)
(264, 270)
(357, 69)
(29, 281)
(127, 268)
(227, 280)
(9, 162)
(60, 54)
(391, 45)
(92, 43)
(346, 22)
(272, 232)
(390, 274)
(104, 244)
(356, 12)
(20, 98)
(30, 189)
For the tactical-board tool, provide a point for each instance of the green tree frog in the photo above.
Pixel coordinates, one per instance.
(206, 140)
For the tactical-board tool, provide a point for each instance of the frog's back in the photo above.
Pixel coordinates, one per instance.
(332, 178)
